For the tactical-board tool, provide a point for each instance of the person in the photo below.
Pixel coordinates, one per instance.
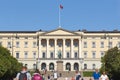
(72, 78)
(37, 75)
(48, 77)
(104, 76)
(55, 75)
(96, 75)
(77, 75)
(24, 74)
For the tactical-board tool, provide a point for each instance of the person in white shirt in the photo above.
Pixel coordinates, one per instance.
(55, 75)
(104, 76)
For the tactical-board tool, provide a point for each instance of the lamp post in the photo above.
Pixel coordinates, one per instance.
(81, 61)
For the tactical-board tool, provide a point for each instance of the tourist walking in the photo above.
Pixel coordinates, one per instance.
(55, 75)
(77, 75)
(104, 76)
(24, 74)
(96, 75)
(37, 75)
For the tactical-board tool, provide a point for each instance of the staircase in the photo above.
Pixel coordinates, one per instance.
(61, 73)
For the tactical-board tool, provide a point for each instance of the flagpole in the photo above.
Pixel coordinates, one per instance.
(59, 18)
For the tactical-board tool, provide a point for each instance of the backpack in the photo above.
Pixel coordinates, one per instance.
(23, 76)
(37, 77)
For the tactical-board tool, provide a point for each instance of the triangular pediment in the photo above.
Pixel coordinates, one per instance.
(60, 32)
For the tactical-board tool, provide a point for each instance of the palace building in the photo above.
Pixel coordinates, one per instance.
(77, 49)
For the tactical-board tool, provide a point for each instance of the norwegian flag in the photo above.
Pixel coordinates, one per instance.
(61, 7)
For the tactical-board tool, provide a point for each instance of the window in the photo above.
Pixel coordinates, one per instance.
(93, 54)
(26, 44)
(102, 53)
(93, 45)
(75, 44)
(51, 55)
(110, 45)
(0, 43)
(17, 55)
(68, 55)
(68, 44)
(43, 55)
(51, 66)
(34, 37)
(26, 65)
(34, 44)
(59, 44)
(118, 45)
(102, 45)
(51, 43)
(34, 66)
(85, 66)
(17, 44)
(85, 54)
(26, 37)
(85, 45)
(9, 45)
(75, 55)
(26, 55)
(34, 55)
(9, 37)
(93, 66)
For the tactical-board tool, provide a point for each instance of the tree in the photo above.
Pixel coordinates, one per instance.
(111, 63)
(8, 64)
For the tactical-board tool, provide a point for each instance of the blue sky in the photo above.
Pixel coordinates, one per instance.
(32, 15)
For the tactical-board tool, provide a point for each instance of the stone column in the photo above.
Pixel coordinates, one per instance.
(55, 48)
(39, 50)
(63, 49)
(72, 54)
(47, 49)
(80, 48)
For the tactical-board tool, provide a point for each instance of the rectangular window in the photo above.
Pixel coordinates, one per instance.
(17, 55)
(75, 44)
(26, 44)
(59, 44)
(93, 45)
(43, 55)
(34, 44)
(75, 55)
(51, 43)
(93, 54)
(51, 55)
(85, 54)
(26, 55)
(68, 44)
(68, 55)
(110, 45)
(34, 55)
(17, 44)
(0, 43)
(85, 44)
(102, 45)
(102, 53)
(26, 37)
(118, 45)
(9, 45)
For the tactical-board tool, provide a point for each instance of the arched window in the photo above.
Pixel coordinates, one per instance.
(85, 66)
(68, 66)
(51, 66)
(76, 66)
(43, 66)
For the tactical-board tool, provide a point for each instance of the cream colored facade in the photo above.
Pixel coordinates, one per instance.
(41, 48)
